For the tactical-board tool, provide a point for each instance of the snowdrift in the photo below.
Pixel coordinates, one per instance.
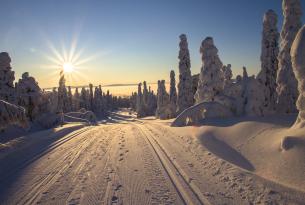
(266, 146)
(195, 114)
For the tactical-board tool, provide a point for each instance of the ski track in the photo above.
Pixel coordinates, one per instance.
(135, 162)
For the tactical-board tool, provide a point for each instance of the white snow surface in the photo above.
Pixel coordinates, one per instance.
(126, 160)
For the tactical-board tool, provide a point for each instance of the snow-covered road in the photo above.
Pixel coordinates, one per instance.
(130, 161)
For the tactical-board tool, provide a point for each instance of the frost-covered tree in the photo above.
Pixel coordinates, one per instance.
(211, 81)
(133, 100)
(269, 62)
(76, 100)
(172, 90)
(298, 63)
(245, 73)
(227, 73)
(29, 95)
(98, 101)
(63, 103)
(163, 102)
(145, 95)
(90, 96)
(83, 98)
(286, 81)
(7, 77)
(195, 80)
(173, 93)
(140, 104)
(185, 96)
(70, 100)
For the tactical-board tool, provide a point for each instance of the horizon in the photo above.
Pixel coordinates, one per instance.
(117, 42)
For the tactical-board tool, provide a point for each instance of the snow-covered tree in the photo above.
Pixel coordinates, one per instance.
(63, 102)
(70, 100)
(172, 90)
(269, 62)
(145, 95)
(286, 81)
(185, 96)
(83, 98)
(133, 100)
(173, 93)
(163, 102)
(7, 77)
(298, 63)
(211, 80)
(140, 104)
(76, 100)
(195, 80)
(29, 95)
(90, 97)
(245, 73)
(98, 101)
(227, 73)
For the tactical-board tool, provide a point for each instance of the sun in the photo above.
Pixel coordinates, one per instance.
(68, 67)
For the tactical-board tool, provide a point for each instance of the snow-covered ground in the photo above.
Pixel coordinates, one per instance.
(145, 161)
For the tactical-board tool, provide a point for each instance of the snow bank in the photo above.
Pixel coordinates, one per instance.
(198, 112)
(12, 114)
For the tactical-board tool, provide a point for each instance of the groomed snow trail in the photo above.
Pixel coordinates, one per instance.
(113, 163)
(131, 161)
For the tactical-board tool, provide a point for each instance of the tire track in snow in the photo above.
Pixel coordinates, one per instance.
(187, 190)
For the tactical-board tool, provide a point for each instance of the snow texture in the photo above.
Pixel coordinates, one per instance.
(287, 83)
(185, 96)
(269, 62)
(298, 63)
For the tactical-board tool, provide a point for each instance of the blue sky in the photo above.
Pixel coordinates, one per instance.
(130, 41)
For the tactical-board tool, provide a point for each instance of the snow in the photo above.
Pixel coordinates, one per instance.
(145, 161)
(12, 114)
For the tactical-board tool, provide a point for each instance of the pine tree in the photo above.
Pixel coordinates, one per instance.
(211, 80)
(185, 97)
(140, 104)
(269, 62)
(7, 77)
(29, 95)
(286, 81)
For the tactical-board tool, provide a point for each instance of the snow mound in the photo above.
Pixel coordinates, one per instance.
(12, 114)
(266, 146)
(81, 116)
(204, 110)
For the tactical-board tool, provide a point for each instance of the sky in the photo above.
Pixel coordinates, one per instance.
(128, 41)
